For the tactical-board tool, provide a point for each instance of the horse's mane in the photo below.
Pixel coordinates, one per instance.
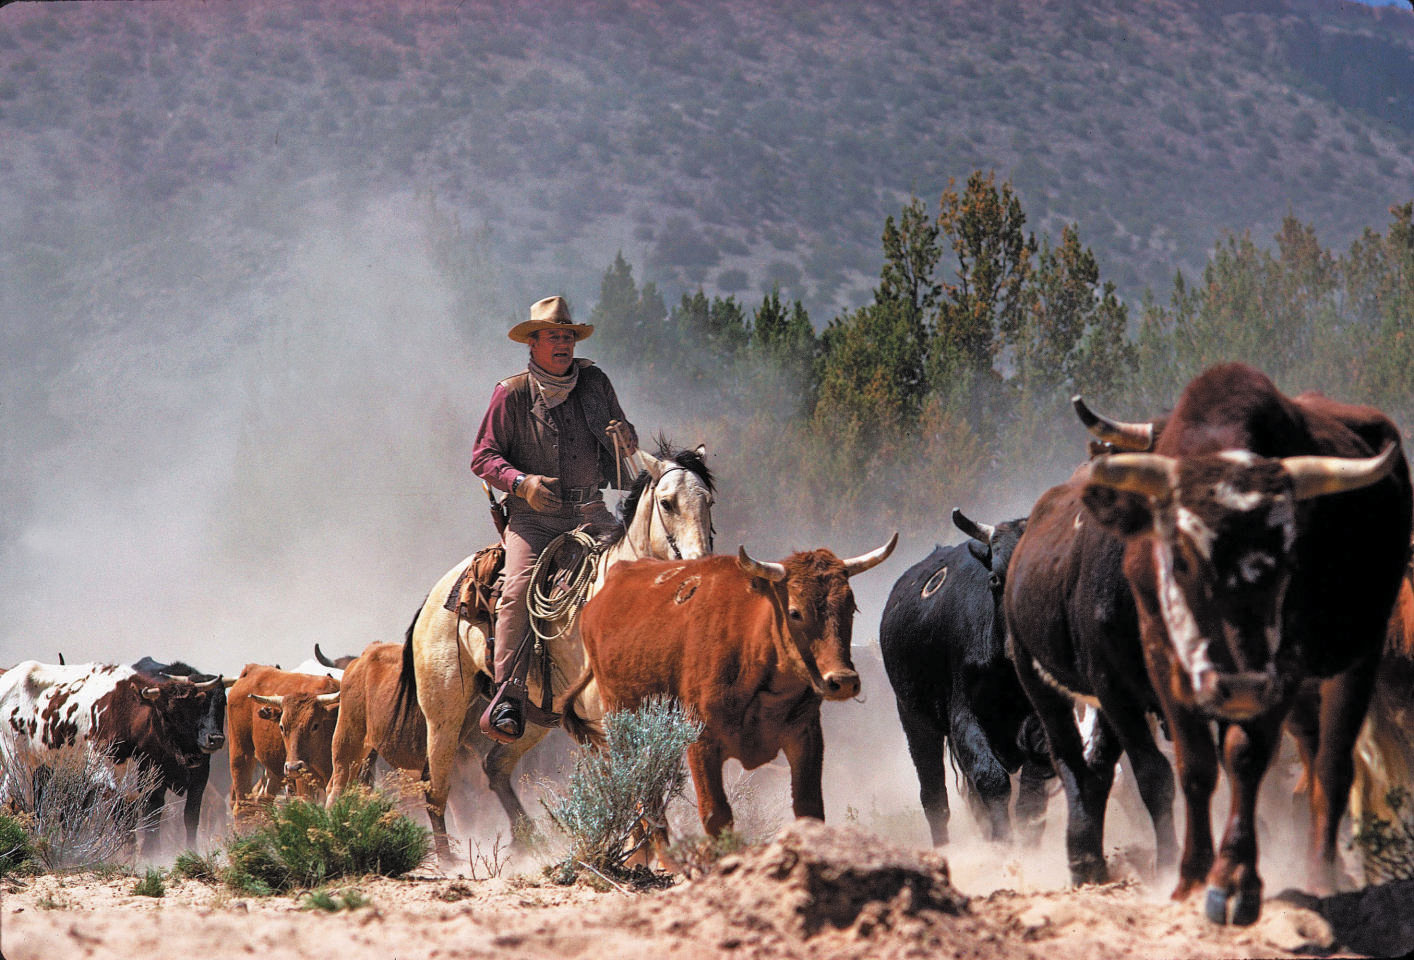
(689, 460)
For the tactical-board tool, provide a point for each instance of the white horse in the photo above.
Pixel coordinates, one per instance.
(667, 515)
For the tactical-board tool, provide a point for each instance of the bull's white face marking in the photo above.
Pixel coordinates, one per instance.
(1226, 495)
(1243, 458)
(1196, 530)
(1188, 641)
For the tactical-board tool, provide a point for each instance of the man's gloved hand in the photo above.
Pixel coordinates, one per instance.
(540, 492)
(623, 433)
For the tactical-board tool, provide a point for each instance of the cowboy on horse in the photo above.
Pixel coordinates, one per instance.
(553, 437)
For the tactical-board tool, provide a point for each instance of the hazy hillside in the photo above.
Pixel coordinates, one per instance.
(721, 143)
(256, 258)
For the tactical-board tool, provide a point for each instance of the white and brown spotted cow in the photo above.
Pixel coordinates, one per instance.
(163, 724)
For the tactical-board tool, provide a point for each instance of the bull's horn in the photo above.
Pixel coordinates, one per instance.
(328, 699)
(175, 678)
(1137, 437)
(207, 684)
(873, 558)
(1151, 474)
(1317, 476)
(277, 700)
(977, 531)
(323, 660)
(229, 682)
(151, 693)
(775, 572)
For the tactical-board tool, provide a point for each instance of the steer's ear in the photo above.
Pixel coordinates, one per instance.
(980, 552)
(269, 713)
(1121, 512)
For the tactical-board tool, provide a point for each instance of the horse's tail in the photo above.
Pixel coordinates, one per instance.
(575, 725)
(407, 677)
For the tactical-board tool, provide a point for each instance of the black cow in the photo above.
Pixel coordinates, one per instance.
(1258, 546)
(944, 648)
(209, 722)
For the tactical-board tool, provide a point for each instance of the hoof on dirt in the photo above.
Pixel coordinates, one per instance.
(1241, 909)
(1215, 905)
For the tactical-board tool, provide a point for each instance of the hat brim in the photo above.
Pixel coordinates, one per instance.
(521, 332)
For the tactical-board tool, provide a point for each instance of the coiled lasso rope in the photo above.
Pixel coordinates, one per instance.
(547, 605)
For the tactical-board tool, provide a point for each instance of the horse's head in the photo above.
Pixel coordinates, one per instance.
(668, 514)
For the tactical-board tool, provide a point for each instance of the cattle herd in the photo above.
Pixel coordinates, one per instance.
(1223, 576)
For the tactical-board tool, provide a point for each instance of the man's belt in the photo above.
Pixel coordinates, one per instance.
(580, 494)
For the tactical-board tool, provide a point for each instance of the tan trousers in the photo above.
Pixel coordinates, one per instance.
(528, 533)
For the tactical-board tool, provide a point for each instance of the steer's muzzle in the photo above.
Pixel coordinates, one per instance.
(294, 767)
(1235, 696)
(841, 685)
(212, 742)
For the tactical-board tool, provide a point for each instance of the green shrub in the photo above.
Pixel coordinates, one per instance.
(196, 866)
(16, 851)
(331, 901)
(618, 793)
(152, 884)
(304, 845)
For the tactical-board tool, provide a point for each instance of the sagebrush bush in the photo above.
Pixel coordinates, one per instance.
(304, 845)
(16, 851)
(617, 791)
(1386, 846)
(82, 810)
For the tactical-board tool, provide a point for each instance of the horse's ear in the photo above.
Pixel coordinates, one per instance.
(701, 450)
(652, 464)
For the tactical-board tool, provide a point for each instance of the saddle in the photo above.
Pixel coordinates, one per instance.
(473, 597)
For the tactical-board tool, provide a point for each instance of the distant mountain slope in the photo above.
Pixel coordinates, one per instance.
(728, 143)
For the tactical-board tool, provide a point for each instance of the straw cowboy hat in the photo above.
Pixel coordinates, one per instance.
(547, 313)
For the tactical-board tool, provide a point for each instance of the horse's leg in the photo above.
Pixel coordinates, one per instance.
(499, 762)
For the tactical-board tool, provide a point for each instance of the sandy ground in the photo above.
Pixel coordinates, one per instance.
(868, 884)
(816, 891)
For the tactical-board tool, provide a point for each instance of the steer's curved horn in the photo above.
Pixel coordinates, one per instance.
(1137, 437)
(229, 682)
(328, 699)
(151, 693)
(1317, 476)
(176, 678)
(1147, 473)
(207, 684)
(977, 531)
(276, 700)
(775, 572)
(323, 660)
(871, 559)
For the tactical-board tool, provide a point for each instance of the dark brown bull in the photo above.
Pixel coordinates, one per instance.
(750, 649)
(1264, 541)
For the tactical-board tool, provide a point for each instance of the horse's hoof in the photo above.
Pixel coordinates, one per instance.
(1246, 908)
(1215, 905)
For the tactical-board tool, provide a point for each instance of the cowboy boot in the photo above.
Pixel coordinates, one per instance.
(504, 718)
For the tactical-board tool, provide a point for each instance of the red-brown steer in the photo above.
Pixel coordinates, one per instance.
(749, 649)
